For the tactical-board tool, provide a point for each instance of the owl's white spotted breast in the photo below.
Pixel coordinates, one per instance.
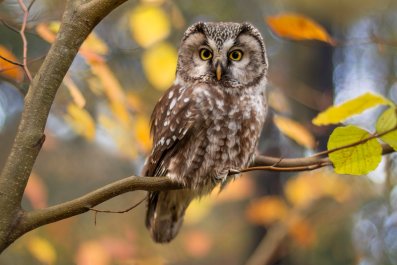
(223, 137)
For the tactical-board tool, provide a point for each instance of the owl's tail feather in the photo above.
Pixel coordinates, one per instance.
(165, 213)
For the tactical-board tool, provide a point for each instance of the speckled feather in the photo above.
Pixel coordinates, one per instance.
(203, 127)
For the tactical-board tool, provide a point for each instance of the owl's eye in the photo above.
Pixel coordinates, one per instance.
(205, 54)
(236, 55)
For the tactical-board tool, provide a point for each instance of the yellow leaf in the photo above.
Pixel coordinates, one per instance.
(267, 210)
(74, 91)
(307, 187)
(120, 134)
(159, 64)
(113, 91)
(356, 160)
(95, 44)
(54, 26)
(298, 27)
(149, 24)
(8, 69)
(142, 132)
(198, 210)
(42, 250)
(388, 121)
(295, 131)
(81, 121)
(337, 114)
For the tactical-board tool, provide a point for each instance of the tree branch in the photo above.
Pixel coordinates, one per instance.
(77, 23)
(37, 218)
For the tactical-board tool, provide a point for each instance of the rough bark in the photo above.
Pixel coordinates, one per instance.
(79, 18)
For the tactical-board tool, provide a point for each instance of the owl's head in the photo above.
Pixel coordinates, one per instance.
(226, 53)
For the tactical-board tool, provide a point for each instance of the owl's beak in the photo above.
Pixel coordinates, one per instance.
(218, 71)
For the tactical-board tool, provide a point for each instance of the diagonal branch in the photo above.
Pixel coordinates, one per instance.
(77, 23)
(37, 218)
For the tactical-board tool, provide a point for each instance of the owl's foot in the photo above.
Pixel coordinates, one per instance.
(222, 176)
(233, 171)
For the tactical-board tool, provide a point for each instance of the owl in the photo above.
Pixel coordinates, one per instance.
(208, 123)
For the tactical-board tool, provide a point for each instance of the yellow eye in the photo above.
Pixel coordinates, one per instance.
(236, 55)
(205, 54)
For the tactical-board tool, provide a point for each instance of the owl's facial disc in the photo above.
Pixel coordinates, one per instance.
(229, 54)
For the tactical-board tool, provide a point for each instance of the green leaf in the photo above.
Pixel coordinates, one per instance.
(358, 159)
(337, 114)
(387, 121)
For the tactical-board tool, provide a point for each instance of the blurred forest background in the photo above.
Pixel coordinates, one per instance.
(98, 132)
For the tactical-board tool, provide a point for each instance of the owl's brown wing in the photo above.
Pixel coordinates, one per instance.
(172, 121)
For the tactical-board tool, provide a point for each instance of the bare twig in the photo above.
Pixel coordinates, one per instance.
(362, 141)
(11, 62)
(122, 211)
(12, 28)
(23, 36)
(96, 211)
(305, 163)
(31, 4)
(77, 22)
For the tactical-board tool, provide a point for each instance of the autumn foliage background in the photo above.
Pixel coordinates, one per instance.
(98, 132)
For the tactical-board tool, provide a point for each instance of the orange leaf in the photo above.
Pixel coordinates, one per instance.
(45, 32)
(236, 190)
(267, 210)
(142, 132)
(295, 131)
(310, 186)
(298, 27)
(198, 243)
(36, 192)
(113, 91)
(92, 252)
(303, 233)
(8, 69)
(91, 50)
(278, 101)
(74, 91)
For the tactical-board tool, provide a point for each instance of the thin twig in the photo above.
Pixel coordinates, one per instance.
(122, 211)
(362, 141)
(23, 36)
(31, 4)
(10, 61)
(9, 26)
(96, 211)
(287, 169)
